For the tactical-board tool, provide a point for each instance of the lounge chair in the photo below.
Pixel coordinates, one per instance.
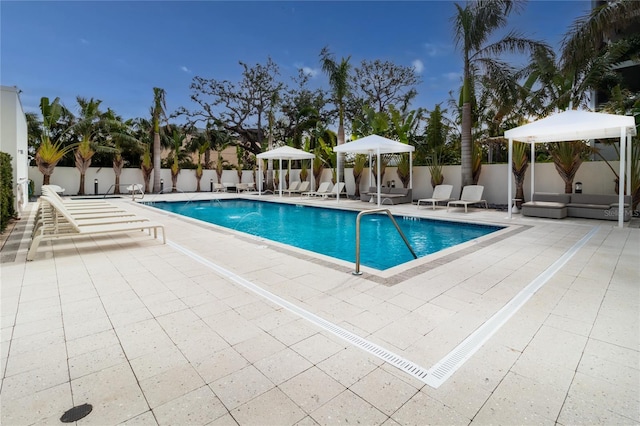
(219, 187)
(58, 189)
(324, 188)
(471, 194)
(293, 187)
(48, 216)
(304, 187)
(441, 194)
(337, 189)
(241, 187)
(74, 228)
(136, 188)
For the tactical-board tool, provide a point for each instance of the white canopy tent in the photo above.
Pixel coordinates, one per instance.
(378, 145)
(282, 153)
(575, 125)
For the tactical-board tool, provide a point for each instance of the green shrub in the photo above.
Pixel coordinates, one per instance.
(7, 210)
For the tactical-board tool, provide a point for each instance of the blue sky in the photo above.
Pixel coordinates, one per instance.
(118, 51)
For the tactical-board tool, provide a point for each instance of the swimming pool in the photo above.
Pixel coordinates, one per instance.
(331, 232)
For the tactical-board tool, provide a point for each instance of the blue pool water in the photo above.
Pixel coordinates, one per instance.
(331, 232)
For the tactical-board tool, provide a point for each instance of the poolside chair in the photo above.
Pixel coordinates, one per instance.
(293, 187)
(218, 187)
(304, 187)
(135, 188)
(471, 194)
(337, 189)
(324, 188)
(56, 188)
(48, 216)
(441, 193)
(73, 228)
(241, 187)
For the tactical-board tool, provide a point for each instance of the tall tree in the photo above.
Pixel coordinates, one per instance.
(474, 24)
(51, 148)
(240, 108)
(157, 115)
(338, 74)
(382, 84)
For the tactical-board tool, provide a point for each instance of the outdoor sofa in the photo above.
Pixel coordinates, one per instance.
(590, 206)
(387, 195)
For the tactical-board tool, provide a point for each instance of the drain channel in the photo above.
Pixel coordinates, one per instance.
(396, 360)
(440, 372)
(448, 365)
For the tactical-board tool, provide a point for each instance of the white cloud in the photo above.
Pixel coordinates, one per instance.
(84, 41)
(310, 71)
(418, 66)
(185, 69)
(453, 76)
(432, 49)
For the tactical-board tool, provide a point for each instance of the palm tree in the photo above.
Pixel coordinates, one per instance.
(567, 157)
(50, 152)
(92, 126)
(338, 74)
(177, 140)
(83, 154)
(474, 24)
(200, 145)
(157, 114)
(519, 168)
(359, 162)
(146, 166)
(48, 155)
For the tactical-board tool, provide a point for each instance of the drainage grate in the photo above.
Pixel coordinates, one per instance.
(403, 364)
(76, 413)
(440, 372)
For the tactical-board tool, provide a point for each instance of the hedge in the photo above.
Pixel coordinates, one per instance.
(7, 210)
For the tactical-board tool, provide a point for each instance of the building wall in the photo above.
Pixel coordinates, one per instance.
(596, 178)
(13, 141)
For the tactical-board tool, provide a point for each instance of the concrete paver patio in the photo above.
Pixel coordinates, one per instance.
(149, 334)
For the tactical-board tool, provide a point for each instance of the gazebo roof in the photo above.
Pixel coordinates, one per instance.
(573, 125)
(373, 143)
(286, 153)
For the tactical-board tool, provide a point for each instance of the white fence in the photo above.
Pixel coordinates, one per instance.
(596, 178)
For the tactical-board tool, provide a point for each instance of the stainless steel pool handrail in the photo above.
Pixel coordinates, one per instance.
(374, 211)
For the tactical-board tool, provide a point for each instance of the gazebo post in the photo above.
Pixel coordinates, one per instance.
(533, 169)
(509, 179)
(621, 184)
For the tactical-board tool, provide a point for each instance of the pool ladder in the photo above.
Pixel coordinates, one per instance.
(375, 211)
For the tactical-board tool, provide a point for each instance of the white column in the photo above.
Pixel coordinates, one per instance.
(379, 179)
(509, 178)
(533, 169)
(621, 185)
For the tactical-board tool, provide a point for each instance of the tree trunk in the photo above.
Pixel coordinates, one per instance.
(465, 147)
(81, 189)
(340, 156)
(156, 162)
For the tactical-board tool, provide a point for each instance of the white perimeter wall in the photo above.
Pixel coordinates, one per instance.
(596, 178)
(13, 141)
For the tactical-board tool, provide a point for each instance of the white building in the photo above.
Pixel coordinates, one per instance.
(13, 141)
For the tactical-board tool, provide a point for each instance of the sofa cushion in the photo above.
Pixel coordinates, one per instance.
(401, 191)
(545, 204)
(589, 206)
(551, 197)
(587, 199)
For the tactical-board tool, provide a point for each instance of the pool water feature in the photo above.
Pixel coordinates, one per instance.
(331, 232)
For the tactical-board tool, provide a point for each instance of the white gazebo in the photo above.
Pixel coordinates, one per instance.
(375, 144)
(575, 125)
(282, 153)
